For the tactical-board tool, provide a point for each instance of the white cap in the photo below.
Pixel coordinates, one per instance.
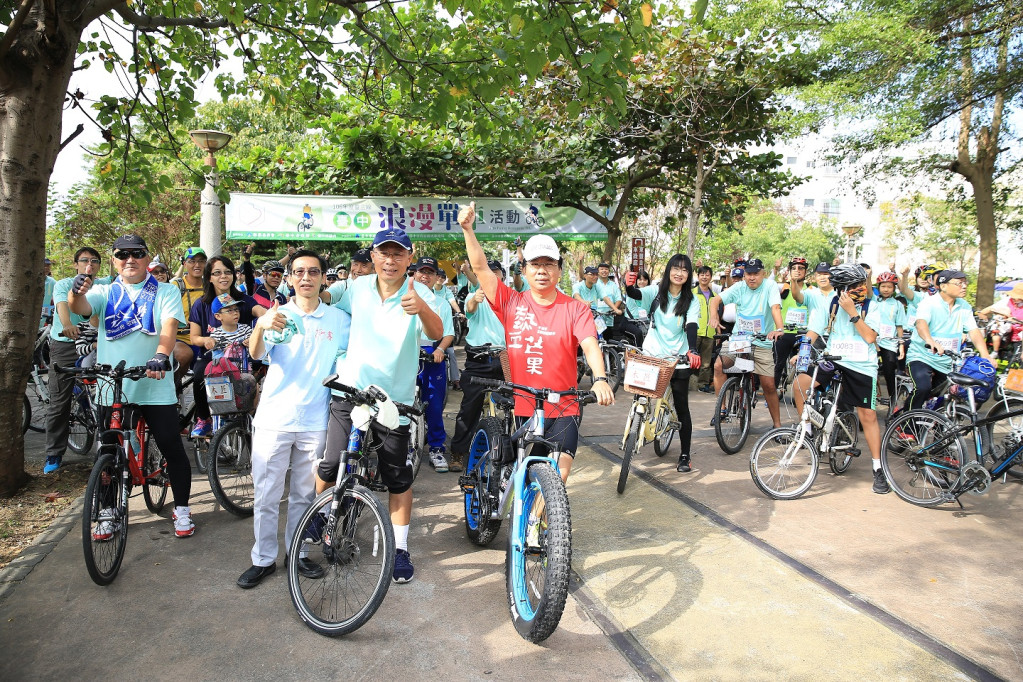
(541, 246)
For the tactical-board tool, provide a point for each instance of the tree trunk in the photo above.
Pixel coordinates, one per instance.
(696, 206)
(35, 77)
(614, 236)
(984, 201)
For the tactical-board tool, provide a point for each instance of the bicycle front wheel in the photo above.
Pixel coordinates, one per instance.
(613, 365)
(1000, 443)
(631, 448)
(230, 468)
(154, 468)
(105, 519)
(919, 471)
(481, 487)
(781, 467)
(81, 426)
(844, 435)
(732, 415)
(539, 555)
(38, 402)
(664, 432)
(354, 567)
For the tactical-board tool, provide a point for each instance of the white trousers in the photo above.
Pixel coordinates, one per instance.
(272, 453)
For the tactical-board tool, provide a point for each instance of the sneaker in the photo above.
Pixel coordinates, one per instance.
(684, 465)
(403, 569)
(705, 389)
(203, 428)
(903, 437)
(183, 526)
(106, 525)
(313, 533)
(438, 461)
(455, 463)
(881, 483)
(883, 401)
(52, 464)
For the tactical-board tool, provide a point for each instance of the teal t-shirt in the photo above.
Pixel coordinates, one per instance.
(60, 293)
(892, 315)
(484, 327)
(47, 310)
(667, 335)
(591, 295)
(610, 290)
(137, 348)
(947, 325)
(753, 308)
(442, 308)
(857, 355)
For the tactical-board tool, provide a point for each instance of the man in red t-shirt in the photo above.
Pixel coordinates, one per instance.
(542, 328)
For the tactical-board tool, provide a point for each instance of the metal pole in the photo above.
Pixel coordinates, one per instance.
(210, 237)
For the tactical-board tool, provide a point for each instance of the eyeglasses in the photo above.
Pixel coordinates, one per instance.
(221, 273)
(546, 267)
(312, 272)
(137, 254)
(88, 261)
(391, 255)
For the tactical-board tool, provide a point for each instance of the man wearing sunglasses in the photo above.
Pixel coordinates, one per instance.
(62, 352)
(139, 320)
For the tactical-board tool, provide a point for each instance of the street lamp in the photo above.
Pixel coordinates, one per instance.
(210, 141)
(850, 235)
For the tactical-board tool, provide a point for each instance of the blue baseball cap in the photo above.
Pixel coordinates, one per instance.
(737, 272)
(223, 301)
(394, 235)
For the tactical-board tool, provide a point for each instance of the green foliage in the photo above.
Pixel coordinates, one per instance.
(944, 230)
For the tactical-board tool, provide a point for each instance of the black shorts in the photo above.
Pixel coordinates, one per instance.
(390, 445)
(858, 390)
(561, 430)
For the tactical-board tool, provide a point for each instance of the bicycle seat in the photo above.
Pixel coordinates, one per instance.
(966, 380)
(503, 402)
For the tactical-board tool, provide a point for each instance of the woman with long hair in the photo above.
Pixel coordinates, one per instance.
(217, 279)
(674, 319)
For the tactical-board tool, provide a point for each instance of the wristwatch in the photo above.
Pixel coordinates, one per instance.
(596, 379)
(854, 319)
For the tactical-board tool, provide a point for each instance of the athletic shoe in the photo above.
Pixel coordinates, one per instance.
(684, 465)
(106, 525)
(881, 483)
(438, 461)
(183, 526)
(403, 569)
(203, 428)
(455, 463)
(52, 464)
(313, 533)
(883, 401)
(705, 389)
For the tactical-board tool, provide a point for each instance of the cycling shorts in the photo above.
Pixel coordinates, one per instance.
(561, 430)
(391, 446)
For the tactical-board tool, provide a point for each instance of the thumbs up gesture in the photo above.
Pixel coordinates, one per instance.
(467, 216)
(411, 303)
(272, 319)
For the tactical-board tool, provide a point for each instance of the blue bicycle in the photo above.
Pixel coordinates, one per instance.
(501, 480)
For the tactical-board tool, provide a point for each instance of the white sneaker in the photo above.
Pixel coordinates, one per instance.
(438, 462)
(105, 525)
(532, 533)
(183, 526)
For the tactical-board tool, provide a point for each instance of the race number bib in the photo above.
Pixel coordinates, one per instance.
(947, 342)
(749, 325)
(739, 343)
(796, 316)
(850, 351)
(887, 331)
(601, 325)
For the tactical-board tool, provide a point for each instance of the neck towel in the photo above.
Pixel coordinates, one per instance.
(125, 316)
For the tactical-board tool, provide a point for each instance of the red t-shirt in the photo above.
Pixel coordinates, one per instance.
(542, 342)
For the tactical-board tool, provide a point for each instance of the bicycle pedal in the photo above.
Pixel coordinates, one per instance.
(855, 452)
(467, 484)
(675, 426)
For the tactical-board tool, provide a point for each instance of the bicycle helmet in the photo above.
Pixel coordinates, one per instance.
(929, 271)
(332, 272)
(888, 277)
(846, 275)
(797, 260)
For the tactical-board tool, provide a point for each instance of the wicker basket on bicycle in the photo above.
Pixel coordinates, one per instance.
(647, 375)
(230, 388)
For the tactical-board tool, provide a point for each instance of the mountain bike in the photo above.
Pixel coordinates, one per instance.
(500, 481)
(925, 457)
(785, 460)
(733, 410)
(347, 531)
(84, 420)
(134, 460)
(609, 350)
(37, 392)
(652, 415)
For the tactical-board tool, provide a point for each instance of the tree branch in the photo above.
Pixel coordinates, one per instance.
(12, 30)
(150, 23)
(72, 136)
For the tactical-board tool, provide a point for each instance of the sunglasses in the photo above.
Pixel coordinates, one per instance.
(312, 272)
(88, 261)
(137, 254)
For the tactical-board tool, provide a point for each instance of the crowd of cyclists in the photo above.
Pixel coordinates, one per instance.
(374, 319)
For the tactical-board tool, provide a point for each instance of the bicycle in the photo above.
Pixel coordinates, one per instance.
(649, 379)
(37, 392)
(501, 481)
(785, 460)
(84, 419)
(347, 531)
(609, 350)
(134, 460)
(738, 397)
(924, 456)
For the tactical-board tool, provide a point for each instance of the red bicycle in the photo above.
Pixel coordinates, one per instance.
(132, 460)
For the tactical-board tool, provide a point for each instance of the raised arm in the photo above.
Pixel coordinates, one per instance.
(477, 259)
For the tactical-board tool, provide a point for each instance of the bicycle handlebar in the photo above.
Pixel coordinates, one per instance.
(755, 337)
(951, 353)
(585, 397)
(114, 372)
(371, 395)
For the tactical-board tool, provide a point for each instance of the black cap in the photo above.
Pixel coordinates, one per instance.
(362, 256)
(822, 267)
(754, 265)
(866, 266)
(427, 262)
(130, 241)
(495, 265)
(590, 270)
(946, 276)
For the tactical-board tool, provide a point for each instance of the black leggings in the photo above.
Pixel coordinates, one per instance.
(889, 363)
(162, 422)
(680, 394)
(783, 349)
(202, 405)
(925, 378)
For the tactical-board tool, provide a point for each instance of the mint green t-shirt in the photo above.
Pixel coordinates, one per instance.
(667, 335)
(892, 316)
(60, 293)
(947, 325)
(47, 309)
(591, 295)
(484, 327)
(857, 355)
(753, 308)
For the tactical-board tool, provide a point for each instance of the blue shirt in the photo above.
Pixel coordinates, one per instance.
(947, 326)
(484, 327)
(136, 348)
(609, 290)
(667, 335)
(293, 398)
(753, 308)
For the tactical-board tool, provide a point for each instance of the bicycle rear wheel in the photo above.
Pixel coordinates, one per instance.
(230, 468)
(844, 434)
(917, 470)
(630, 448)
(481, 487)
(732, 415)
(999, 440)
(38, 403)
(356, 565)
(26, 413)
(416, 442)
(105, 519)
(539, 555)
(81, 426)
(154, 468)
(664, 434)
(780, 468)
(613, 365)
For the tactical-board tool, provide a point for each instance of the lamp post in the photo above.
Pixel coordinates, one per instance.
(850, 235)
(210, 141)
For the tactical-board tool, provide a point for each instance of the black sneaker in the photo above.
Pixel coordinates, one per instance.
(255, 575)
(403, 570)
(881, 483)
(684, 466)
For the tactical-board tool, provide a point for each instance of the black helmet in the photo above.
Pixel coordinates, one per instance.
(846, 275)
